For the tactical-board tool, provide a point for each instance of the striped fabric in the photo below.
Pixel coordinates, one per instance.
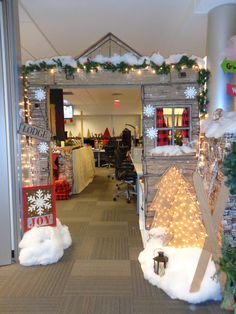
(62, 189)
(162, 136)
(185, 122)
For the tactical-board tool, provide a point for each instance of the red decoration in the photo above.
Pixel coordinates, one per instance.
(68, 121)
(39, 206)
(106, 134)
(117, 104)
(162, 136)
(185, 122)
(231, 90)
(62, 189)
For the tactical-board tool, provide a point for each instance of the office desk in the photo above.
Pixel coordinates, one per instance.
(98, 152)
(140, 201)
(83, 168)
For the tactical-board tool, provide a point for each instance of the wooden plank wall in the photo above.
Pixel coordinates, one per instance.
(168, 93)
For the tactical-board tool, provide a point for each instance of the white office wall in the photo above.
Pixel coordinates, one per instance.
(98, 124)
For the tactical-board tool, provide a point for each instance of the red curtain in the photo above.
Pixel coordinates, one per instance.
(185, 122)
(162, 136)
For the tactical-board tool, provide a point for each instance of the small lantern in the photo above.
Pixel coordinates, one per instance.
(160, 262)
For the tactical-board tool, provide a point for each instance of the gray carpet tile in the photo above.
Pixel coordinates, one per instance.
(78, 229)
(49, 305)
(118, 214)
(97, 305)
(83, 248)
(135, 241)
(38, 281)
(159, 306)
(108, 229)
(102, 286)
(101, 268)
(110, 248)
(141, 287)
(134, 253)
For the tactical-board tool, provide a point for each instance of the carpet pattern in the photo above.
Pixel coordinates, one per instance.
(100, 273)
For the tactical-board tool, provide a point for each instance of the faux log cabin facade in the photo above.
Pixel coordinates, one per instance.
(169, 93)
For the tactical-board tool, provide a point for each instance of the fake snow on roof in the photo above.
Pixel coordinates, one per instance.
(219, 123)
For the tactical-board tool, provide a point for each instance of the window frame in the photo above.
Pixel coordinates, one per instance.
(173, 128)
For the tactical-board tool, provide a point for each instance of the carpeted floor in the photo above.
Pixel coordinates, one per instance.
(100, 273)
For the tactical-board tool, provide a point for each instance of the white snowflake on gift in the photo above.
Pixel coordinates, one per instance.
(39, 202)
(151, 133)
(190, 92)
(43, 147)
(149, 111)
(40, 94)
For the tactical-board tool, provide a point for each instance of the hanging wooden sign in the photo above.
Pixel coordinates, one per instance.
(229, 66)
(231, 89)
(35, 132)
(39, 206)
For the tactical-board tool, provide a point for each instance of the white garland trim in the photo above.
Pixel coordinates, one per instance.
(128, 58)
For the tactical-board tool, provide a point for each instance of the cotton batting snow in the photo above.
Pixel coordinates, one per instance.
(44, 245)
(217, 128)
(180, 270)
(171, 150)
(128, 58)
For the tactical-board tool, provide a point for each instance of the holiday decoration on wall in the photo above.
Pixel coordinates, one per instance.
(149, 111)
(39, 206)
(217, 145)
(34, 131)
(151, 133)
(40, 94)
(190, 92)
(126, 64)
(231, 89)
(177, 211)
(43, 147)
(229, 66)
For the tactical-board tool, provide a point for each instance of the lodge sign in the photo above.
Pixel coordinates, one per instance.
(35, 132)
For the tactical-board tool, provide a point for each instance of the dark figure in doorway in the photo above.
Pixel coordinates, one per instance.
(126, 138)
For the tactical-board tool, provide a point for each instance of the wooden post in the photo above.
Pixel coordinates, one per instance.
(82, 127)
(211, 222)
(49, 143)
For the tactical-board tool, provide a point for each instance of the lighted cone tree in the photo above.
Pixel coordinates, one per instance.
(167, 187)
(177, 210)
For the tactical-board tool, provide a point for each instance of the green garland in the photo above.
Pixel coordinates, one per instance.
(227, 264)
(122, 67)
(229, 169)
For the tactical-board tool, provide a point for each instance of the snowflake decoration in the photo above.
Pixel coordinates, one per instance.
(43, 147)
(151, 133)
(190, 92)
(40, 94)
(39, 202)
(149, 111)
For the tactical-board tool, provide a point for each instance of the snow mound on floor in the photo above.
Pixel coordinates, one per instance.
(217, 128)
(171, 150)
(44, 245)
(180, 270)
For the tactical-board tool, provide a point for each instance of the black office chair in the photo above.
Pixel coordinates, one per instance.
(121, 157)
(109, 156)
(124, 171)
